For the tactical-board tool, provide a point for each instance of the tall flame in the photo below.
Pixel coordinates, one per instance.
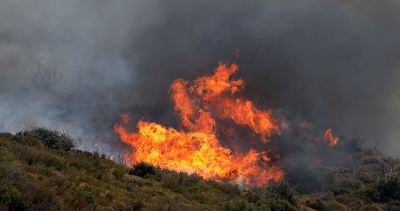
(196, 148)
(329, 137)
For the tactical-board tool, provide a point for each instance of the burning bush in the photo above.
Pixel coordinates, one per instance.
(198, 148)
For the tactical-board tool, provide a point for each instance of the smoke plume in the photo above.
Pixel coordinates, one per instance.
(331, 63)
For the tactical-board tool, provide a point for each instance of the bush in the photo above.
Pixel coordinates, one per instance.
(256, 194)
(82, 198)
(32, 141)
(371, 207)
(349, 183)
(5, 135)
(51, 138)
(173, 181)
(388, 186)
(373, 164)
(119, 172)
(142, 169)
(281, 205)
(282, 191)
(240, 205)
(8, 192)
(372, 193)
(314, 204)
(228, 189)
(341, 191)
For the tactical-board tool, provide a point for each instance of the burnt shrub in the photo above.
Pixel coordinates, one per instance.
(51, 138)
(142, 169)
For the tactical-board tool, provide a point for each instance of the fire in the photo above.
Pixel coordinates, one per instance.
(329, 137)
(201, 105)
(303, 124)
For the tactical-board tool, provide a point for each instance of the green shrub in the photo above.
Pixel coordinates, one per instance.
(228, 189)
(316, 204)
(282, 191)
(388, 186)
(281, 205)
(82, 198)
(32, 141)
(371, 207)
(5, 135)
(173, 181)
(191, 180)
(57, 163)
(371, 150)
(256, 194)
(5, 155)
(51, 138)
(8, 192)
(340, 191)
(372, 193)
(240, 205)
(366, 178)
(349, 183)
(372, 164)
(119, 172)
(338, 206)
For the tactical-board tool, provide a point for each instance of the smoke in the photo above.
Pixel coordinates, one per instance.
(331, 63)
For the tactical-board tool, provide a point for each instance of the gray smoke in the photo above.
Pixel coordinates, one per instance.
(331, 63)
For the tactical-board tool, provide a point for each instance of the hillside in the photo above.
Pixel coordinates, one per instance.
(48, 174)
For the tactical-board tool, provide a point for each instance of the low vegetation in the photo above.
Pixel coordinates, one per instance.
(41, 170)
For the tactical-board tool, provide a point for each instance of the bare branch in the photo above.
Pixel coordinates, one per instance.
(45, 75)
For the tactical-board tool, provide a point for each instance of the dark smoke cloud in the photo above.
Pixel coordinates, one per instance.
(331, 63)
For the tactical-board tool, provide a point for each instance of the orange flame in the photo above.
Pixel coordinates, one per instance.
(303, 124)
(329, 137)
(200, 104)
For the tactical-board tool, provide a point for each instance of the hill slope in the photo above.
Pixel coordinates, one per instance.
(37, 175)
